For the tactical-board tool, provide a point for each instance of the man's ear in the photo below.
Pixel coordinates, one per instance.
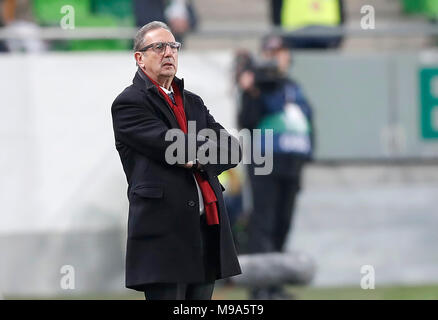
(138, 56)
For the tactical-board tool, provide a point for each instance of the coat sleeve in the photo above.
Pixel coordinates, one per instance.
(227, 146)
(140, 128)
(309, 112)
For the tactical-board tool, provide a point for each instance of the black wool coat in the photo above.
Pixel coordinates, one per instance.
(164, 242)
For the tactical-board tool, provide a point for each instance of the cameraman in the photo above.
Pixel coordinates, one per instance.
(269, 99)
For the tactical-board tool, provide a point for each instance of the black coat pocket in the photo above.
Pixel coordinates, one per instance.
(149, 191)
(147, 212)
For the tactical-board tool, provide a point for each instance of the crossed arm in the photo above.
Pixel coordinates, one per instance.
(139, 127)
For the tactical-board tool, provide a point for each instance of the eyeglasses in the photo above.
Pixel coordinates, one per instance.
(160, 47)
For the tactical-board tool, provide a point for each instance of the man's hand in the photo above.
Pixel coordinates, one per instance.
(194, 165)
(188, 165)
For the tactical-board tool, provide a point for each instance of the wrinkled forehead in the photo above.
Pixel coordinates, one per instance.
(158, 35)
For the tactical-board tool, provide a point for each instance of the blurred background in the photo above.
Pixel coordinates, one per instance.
(369, 197)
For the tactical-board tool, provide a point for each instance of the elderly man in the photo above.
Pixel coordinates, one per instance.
(179, 237)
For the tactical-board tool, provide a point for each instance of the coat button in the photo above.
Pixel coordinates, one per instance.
(191, 203)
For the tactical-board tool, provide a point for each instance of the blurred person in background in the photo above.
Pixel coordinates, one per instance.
(180, 15)
(270, 99)
(18, 18)
(232, 182)
(179, 236)
(309, 15)
(3, 47)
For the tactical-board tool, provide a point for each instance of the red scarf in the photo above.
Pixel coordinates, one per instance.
(210, 200)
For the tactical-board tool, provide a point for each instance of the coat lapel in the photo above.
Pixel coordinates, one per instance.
(144, 84)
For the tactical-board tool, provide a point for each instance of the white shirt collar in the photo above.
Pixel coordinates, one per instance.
(167, 91)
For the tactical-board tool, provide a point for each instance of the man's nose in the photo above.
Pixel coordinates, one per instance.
(168, 52)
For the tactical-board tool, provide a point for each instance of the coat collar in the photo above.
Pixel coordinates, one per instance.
(146, 85)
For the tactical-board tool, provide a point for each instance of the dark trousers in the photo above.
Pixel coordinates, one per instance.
(193, 291)
(270, 222)
(179, 291)
(319, 42)
(273, 206)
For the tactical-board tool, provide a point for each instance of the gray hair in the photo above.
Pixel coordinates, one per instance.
(139, 37)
